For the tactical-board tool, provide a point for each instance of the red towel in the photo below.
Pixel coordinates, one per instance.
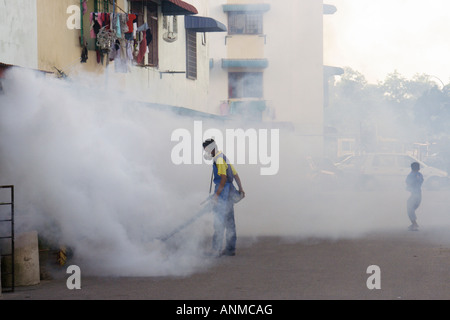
(142, 49)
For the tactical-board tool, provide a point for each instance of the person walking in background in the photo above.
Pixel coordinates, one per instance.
(224, 199)
(414, 182)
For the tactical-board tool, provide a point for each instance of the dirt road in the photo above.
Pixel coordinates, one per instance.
(412, 265)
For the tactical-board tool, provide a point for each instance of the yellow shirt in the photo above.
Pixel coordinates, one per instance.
(222, 165)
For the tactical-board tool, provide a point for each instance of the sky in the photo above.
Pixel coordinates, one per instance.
(379, 37)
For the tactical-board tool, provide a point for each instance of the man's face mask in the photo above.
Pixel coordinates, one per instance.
(207, 155)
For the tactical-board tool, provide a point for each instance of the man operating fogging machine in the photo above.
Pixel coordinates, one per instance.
(225, 195)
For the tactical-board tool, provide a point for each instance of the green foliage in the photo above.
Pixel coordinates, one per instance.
(399, 108)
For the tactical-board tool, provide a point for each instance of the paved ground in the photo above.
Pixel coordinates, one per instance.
(413, 265)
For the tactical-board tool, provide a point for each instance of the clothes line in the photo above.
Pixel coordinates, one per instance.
(121, 23)
(136, 13)
(119, 37)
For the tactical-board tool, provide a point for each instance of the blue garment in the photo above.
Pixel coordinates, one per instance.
(224, 221)
(228, 170)
(414, 183)
(118, 31)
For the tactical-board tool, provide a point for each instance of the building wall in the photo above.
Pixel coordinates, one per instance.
(148, 84)
(218, 87)
(293, 80)
(59, 37)
(18, 33)
(173, 88)
(230, 46)
(245, 47)
(292, 43)
(47, 37)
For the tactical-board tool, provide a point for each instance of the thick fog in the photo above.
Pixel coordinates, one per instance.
(97, 173)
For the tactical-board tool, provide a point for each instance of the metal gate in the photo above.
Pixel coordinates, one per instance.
(7, 235)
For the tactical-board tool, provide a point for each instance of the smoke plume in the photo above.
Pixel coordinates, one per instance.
(93, 171)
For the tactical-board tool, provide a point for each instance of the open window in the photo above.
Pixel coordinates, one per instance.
(245, 85)
(242, 22)
(147, 13)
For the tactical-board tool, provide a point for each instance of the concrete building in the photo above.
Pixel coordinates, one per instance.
(70, 37)
(261, 59)
(269, 65)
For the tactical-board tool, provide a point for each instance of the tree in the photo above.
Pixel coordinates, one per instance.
(351, 100)
(395, 87)
(432, 112)
(408, 110)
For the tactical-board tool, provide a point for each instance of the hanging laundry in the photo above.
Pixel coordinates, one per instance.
(95, 26)
(135, 27)
(113, 51)
(91, 30)
(99, 56)
(123, 17)
(84, 6)
(142, 49)
(148, 36)
(130, 22)
(118, 29)
(143, 27)
(129, 45)
(121, 60)
(106, 17)
(105, 38)
(84, 54)
(135, 48)
(130, 34)
(100, 19)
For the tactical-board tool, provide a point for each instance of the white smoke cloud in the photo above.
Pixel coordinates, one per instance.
(93, 171)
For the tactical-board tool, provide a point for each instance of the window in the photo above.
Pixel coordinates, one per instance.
(347, 146)
(245, 23)
(245, 85)
(191, 54)
(152, 22)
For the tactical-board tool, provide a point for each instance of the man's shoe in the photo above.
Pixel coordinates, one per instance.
(213, 254)
(228, 253)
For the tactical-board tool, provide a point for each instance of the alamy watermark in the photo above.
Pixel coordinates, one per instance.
(374, 281)
(74, 20)
(250, 146)
(74, 280)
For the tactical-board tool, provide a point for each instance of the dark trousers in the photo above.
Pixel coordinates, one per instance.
(412, 204)
(224, 224)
